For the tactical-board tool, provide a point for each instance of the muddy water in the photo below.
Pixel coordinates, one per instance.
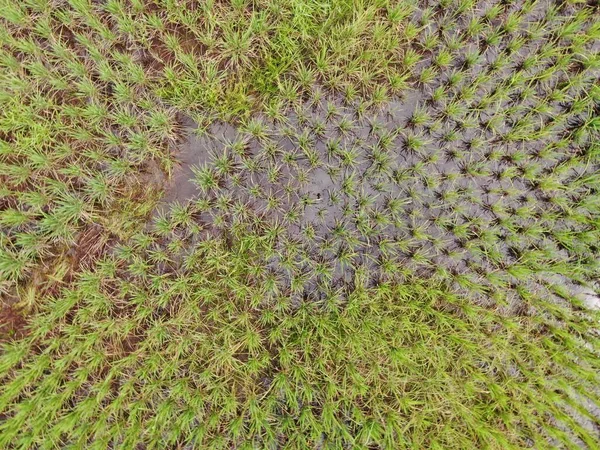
(369, 194)
(371, 188)
(192, 153)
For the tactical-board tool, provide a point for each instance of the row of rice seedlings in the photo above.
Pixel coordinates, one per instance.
(200, 333)
(77, 125)
(211, 350)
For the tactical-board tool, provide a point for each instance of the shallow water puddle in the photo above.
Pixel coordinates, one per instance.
(370, 188)
(194, 151)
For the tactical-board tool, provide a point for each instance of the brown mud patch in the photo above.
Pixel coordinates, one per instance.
(13, 325)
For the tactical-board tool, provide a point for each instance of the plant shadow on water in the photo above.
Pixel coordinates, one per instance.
(385, 191)
(407, 259)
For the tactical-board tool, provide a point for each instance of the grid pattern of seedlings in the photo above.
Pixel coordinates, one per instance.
(263, 309)
(216, 351)
(78, 131)
(486, 176)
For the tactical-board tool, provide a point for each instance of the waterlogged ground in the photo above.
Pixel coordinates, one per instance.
(480, 176)
(402, 187)
(256, 308)
(355, 195)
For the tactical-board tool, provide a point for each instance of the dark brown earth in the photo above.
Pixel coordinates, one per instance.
(12, 323)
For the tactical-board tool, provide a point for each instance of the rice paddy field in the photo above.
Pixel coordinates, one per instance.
(299, 224)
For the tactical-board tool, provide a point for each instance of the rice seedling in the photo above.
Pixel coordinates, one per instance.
(391, 209)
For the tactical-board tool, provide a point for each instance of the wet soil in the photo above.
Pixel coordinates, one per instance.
(12, 324)
(193, 151)
(444, 181)
(379, 189)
